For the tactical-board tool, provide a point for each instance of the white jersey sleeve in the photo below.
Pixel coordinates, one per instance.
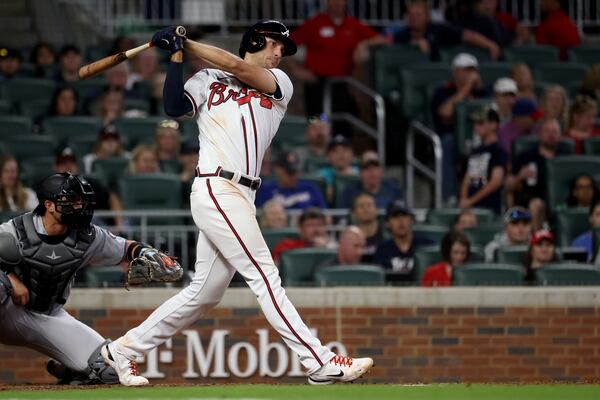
(106, 249)
(286, 89)
(195, 89)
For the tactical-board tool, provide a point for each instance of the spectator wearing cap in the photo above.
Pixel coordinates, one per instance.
(582, 121)
(108, 145)
(318, 136)
(517, 230)
(526, 183)
(69, 60)
(364, 216)
(10, 63)
(456, 250)
(167, 141)
(505, 93)
(312, 232)
(371, 182)
(555, 104)
(188, 160)
(66, 161)
(556, 28)
(293, 192)
(524, 116)
(350, 249)
(521, 74)
(431, 37)
(396, 255)
(586, 239)
(339, 156)
(486, 169)
(14, 195)
(541, 251)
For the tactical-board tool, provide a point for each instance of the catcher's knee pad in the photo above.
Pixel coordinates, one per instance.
(98, 368)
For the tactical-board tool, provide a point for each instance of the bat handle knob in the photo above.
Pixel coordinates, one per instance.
(180, 31)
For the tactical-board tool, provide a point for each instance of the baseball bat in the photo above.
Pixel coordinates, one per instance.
(108, 62)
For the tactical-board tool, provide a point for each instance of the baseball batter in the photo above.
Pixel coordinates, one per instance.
(238, 106)
(40, 253)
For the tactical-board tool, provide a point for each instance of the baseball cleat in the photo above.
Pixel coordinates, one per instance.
(341, 369)
(126, 369)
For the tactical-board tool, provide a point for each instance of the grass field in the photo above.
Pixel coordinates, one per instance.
(336, 392)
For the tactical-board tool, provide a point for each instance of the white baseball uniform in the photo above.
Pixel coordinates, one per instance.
(236, 124)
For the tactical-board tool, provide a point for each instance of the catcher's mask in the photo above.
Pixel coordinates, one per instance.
(73, 195)
(254, 40)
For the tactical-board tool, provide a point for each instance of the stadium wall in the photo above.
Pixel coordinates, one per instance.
(415, 335)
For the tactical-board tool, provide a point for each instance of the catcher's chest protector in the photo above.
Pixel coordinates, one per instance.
(47, 268)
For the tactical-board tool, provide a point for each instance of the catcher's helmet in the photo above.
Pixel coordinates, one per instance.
(254, 38)
(73, 195)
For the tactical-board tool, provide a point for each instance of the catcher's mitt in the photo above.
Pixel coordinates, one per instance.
(153, 266)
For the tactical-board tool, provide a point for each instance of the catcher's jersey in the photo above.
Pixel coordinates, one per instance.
(236, 122)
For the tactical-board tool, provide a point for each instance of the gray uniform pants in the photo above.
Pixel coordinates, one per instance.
(57, 335)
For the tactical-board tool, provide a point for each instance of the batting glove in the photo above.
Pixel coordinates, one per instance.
(166, 39)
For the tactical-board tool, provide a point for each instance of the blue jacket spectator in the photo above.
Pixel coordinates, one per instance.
(586, 239)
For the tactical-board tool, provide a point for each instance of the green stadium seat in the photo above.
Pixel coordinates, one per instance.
(313, 163)
(138, 130)
(428, 255)
(35, 108)
(512, 254)
(496, 274)
(415, 80)
(568, 274)
(433, 232)
(591, 146)
(24, 90)
(274, 236)
(491, 71)
(563, 170)
(34, 169)
(483, 234)
(584, 54)
(28, 146)
(447, 54)
(290, 133)
(104, 276)
(137, 104)
(82, 145)
(5, 216)
(13, 125)
(110, 170)
(351, 275)
(188, 127)
(66, 128)
(340, 184)
(446, 216)
(463, 132)
(570, 223)
(5, 107)
(297, 267)
(531, 54)
(152, 192)
(89, 87)
(525, 143)
(560, 72)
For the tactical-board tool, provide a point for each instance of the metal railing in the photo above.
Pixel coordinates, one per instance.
(412, 164)
(377, 133)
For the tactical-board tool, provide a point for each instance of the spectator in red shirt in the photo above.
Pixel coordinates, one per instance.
(311, 231)
(334, 42)
(582, 119)
(455, 252)
(557, 28)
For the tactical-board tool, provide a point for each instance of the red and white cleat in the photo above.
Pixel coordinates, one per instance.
(126, 369)
(341, 369)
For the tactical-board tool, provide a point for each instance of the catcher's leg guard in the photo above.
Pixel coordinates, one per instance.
(99, 369)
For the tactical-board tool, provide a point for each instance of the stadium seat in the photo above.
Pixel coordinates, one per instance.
(340, 184)
(82, 145)
(5, 107)
(488, 275)
(36, 168)
(152, 192)
(138, 130)
(525, 143)
(188, 127)
(563, 170)
(570, 223)
(65, 128)
(560, 72)
(512, 254)
(351, 275)
(137, 104)
(568, 274)
(290, 133)
(274, 236)
(28, 146)
(531, 54)
(89, 87)
(7, 215)
(424, 257)
(13, 125)
(297, 267)
(584, 54)
(447, 54)
(491, 71)
(446, 216)
(591, 146)
(110, 170)
(104, 276)
(483, 234)
(24, 90)
(313, 163)
(35, 108)
(433, 232)
(463, 132)
(415, 80)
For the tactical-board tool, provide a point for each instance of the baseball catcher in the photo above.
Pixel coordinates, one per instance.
(40, 253)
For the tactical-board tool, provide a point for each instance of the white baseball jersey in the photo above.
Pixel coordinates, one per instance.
(236, 122)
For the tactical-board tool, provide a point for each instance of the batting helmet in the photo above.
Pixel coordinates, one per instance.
(254, 38)
(73, 195)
